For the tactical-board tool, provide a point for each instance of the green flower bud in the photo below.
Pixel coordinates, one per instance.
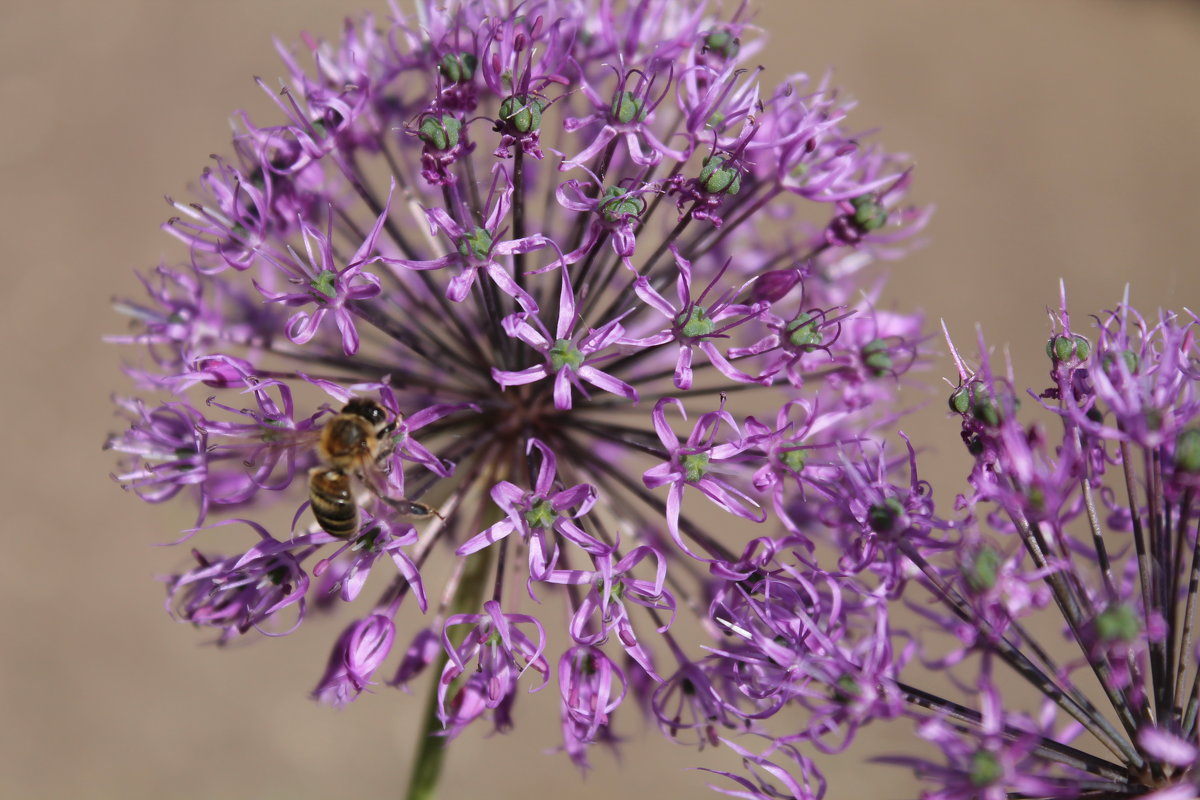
(881, 517)
(522, 113)
(982, 571)
(1036, 497)
(456, 68)
(869, 213)
(723, 43)
(846, 689)
(716, 178)
(985, 769)
(619, 205)
(565, 354)
(323, 283)
(440, 133)
(627, 107)
(695, 322)
(987, 407)
(1128, 358)
(1187, 451)
(1118, 623)
(876, 357)
(477, 244)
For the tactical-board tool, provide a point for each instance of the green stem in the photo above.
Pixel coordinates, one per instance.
(431, 748)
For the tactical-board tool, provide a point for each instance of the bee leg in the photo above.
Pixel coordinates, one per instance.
(413, 508)
(387, 446)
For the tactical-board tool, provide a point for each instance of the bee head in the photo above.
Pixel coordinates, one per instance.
(369, 410)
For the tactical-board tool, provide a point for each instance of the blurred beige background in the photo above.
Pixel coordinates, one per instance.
(1056, 138)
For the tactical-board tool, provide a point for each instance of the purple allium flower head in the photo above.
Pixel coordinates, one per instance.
(1089, 516)
(446, 306)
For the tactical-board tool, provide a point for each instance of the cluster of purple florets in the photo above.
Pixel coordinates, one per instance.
(612, 298)
(1091, 525)
(576, 252)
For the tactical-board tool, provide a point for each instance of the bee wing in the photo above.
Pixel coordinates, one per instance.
(261, 448)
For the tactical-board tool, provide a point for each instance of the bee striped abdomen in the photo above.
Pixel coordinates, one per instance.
(332, 501)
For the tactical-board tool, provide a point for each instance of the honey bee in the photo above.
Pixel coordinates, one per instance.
(353, 446)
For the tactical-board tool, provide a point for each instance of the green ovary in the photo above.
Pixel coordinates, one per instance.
(695, 323)
(695, 465)
(565, 354)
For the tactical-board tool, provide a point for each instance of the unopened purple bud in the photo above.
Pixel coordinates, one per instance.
(358, 653)
(420, 654)
(773, 286)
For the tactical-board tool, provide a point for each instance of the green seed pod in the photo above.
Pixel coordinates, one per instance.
(723, 43)
(521, 113)
(1118, 623)
(869, 213)
(845, 689)
(1128, 358)
(876, 357)
(619, 205)
(991, 404)
(1187, 451)
(982, 571)
(803, 332)
(716, 178)
(457, 68)
(960, 400)
(1070, 349)
(985, 409)
(882, 517)
(440, 133)
(627, 107)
